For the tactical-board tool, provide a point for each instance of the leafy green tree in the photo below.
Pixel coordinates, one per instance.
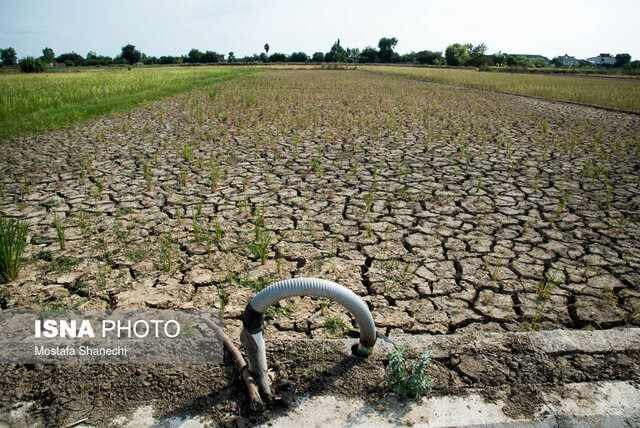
(210, 57)
(8, 56)
(456, 54)
(231, 57)
(336, 54)
(352, 54)
(195, 56)
(476, 55)
(476, 50)
(368, 54)
(278, 57)
(131, 54)
(70, 59)
(622, 59)
(266, 48)
(429, 57)
(499, 58)
(317, 57)
(557, 62)
(167, 60)
(31, 65)
(48, 56)
(298, 57)
(633, 65)
(385, 46)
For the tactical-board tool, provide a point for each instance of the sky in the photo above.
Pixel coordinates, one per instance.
(161, 27)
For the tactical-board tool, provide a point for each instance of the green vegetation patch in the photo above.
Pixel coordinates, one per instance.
(618, 93)
(48, 101)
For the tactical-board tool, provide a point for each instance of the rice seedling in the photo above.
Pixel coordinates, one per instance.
(146, 173)
(545, 288)
(166, 253)
(13, 239)
(334, 325)
(187, 152)
(216, 174)
(57, 221)
(262, 245)
(196, 228)
(219, 232)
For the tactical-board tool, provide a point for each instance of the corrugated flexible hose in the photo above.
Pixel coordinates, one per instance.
(252, 337)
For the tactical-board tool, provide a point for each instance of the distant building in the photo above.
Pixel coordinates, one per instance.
(571, 61)
(602, 59)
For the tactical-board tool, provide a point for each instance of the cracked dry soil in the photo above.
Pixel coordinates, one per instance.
(448, 210)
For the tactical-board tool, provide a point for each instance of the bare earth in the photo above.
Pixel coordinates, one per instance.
(449, 210)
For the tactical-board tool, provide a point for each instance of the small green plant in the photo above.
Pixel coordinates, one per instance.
(408, 377)
(545, 288)
(199, 206)
(13, 238)
(196, 227)
(562, 203)
(57, 221)
(216, 174)
(261, 247)
(166, 252)
(335, 325)
(279, 310)
(219, 232)
(187, 152)
(146, 172)
(368, 200)
(98, 190)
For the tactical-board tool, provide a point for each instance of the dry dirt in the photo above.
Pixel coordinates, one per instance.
(449, 210)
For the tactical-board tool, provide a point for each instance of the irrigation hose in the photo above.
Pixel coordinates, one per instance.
(252, 336)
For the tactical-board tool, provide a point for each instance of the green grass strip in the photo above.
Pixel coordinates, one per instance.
(608, 92)
(41, 102)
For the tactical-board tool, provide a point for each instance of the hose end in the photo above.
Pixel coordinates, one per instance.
(362, 351)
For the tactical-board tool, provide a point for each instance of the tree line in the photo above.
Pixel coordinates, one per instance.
(455, 55)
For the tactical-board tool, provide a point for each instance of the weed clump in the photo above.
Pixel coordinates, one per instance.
(408, 377)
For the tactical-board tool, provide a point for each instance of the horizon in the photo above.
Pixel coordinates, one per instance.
(552, 28)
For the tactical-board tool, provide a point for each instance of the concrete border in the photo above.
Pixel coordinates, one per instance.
(552, 342)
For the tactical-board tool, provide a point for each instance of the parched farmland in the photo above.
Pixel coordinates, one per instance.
(447, 209)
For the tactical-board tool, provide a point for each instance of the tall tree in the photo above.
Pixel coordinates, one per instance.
(131, 54)
(386, 46)
(456, 54)
(48, 56)
(8, 56)
(336, 54)
(622, 59)
(266, 48)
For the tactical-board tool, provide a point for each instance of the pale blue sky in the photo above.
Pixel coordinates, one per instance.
(160, 27)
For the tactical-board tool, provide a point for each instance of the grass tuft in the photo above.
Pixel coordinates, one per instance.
(13, 238)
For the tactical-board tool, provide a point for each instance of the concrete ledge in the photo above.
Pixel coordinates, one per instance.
(552, 342)
(573, 405)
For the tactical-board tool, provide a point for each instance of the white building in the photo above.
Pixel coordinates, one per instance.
(571, 61)
(603, 59)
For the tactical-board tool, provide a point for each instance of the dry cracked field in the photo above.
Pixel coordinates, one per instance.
(447, 209)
